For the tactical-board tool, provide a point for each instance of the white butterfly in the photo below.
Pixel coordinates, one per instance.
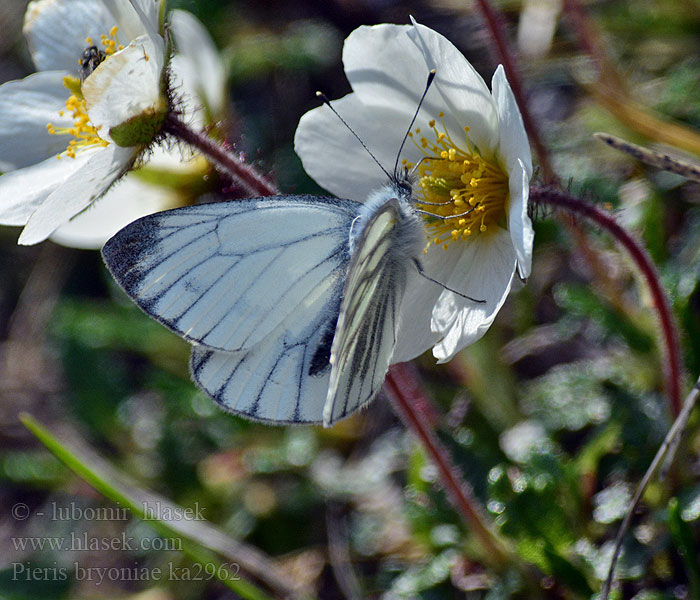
(291, 303)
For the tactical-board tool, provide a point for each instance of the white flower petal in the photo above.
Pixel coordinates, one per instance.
(513, 144)
(23, 191)
(134, 18)
(150, 12)
(519, 224)
(26, 107)
(125, 85)
(415, 335)
(484, 271)
(383, 66)
(336, 160)
(466, 101)
(388, 65)
(85, 185)
(56, 31)
(126, 201)
(197, 64)
(183, 78)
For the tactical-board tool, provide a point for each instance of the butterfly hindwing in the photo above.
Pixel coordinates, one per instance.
(227, 275)
(284, 379)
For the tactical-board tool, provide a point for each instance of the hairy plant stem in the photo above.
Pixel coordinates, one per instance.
(673, 371)
(494, 22)
(413, 407)
(242, 174)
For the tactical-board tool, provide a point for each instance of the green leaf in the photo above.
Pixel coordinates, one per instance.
(685, 544)
(569, 396)
(603, 442)
(198, 538)
(580, 300)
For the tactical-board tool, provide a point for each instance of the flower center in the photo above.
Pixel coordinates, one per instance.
(84, 134)
(459, 184)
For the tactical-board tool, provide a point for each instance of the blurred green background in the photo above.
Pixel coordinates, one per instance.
(553, 416)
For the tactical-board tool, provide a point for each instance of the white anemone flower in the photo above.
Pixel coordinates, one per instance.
(471, 157)
(198, 77)
(72, 129)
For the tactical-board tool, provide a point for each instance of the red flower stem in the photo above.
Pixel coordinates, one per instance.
(673, 370)
(494, 21)
(242, 174)
(415, 410)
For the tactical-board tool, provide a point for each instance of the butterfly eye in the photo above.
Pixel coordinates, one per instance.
(404, 187)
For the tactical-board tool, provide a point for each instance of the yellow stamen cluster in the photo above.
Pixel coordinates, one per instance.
(84, 134)
(110, 42)
(459, 184)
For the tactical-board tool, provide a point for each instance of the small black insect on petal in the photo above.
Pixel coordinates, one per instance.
(90, 59)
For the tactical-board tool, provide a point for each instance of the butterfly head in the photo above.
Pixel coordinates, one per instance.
(402, 183)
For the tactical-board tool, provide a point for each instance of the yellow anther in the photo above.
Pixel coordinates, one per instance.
(85, 135)
(453, 178)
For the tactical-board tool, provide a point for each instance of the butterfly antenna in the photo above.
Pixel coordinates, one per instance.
(431, 77)
(327, 102)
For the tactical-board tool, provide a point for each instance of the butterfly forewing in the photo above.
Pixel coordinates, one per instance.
(366, 330)
(226, 275)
